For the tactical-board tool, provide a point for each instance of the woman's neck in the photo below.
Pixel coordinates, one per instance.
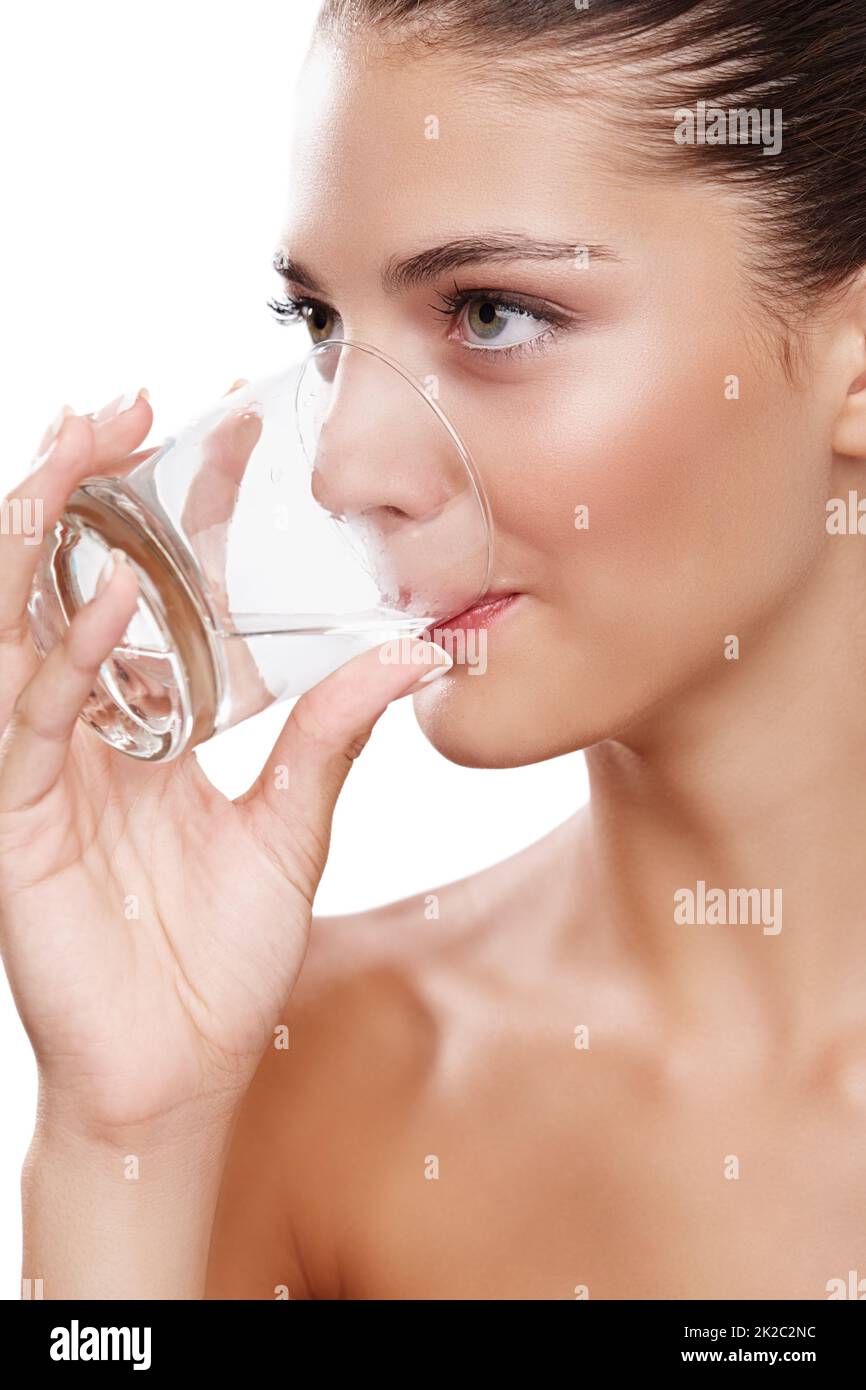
(725, 839)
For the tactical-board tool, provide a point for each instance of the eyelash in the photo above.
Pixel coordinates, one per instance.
(290, 309)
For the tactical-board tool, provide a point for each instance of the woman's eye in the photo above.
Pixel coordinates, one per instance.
(319, 320)
(488, 322)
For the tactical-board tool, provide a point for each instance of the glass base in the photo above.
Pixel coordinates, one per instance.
(157, 692)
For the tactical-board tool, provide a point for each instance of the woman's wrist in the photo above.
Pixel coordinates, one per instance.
(123, 1217)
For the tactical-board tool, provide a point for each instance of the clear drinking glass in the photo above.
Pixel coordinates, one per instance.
(306, 517)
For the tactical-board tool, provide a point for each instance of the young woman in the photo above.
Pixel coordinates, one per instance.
(629, 239)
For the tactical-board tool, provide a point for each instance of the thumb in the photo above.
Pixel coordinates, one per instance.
(327, 730)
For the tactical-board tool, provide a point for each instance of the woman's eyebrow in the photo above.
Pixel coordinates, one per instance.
(476, 250)
(404, 273)
(295, 272)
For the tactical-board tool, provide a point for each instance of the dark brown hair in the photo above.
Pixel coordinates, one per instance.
(804, 58)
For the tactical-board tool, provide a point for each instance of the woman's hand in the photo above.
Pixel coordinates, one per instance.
(152, 929)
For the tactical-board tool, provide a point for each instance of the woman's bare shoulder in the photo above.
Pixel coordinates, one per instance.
(355, 1042)
(438, 925)
(357, 1046)
(378, 989)
(385, 968)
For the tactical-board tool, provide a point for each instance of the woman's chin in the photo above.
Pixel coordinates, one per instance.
(472, 725)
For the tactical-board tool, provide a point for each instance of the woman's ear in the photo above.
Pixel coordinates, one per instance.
(849, 436)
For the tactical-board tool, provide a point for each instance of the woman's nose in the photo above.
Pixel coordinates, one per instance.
(381, 452)
(386, 462)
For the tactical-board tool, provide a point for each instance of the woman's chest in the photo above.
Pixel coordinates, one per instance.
(543, 1187)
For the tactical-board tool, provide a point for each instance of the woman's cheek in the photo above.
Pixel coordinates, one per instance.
(661, 470)
(645, 523)
(626, 480)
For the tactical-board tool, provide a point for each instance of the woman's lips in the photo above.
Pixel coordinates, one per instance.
(481, 614)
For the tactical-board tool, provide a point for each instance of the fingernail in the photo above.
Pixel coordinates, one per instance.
(249, 423)
(443, 661)
(49, 438)
(119, 405)
(113, 558)
(241, 381)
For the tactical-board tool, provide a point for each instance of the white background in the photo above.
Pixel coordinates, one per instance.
(144, 179)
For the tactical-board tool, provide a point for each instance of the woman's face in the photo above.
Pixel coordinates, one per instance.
(626, 383)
